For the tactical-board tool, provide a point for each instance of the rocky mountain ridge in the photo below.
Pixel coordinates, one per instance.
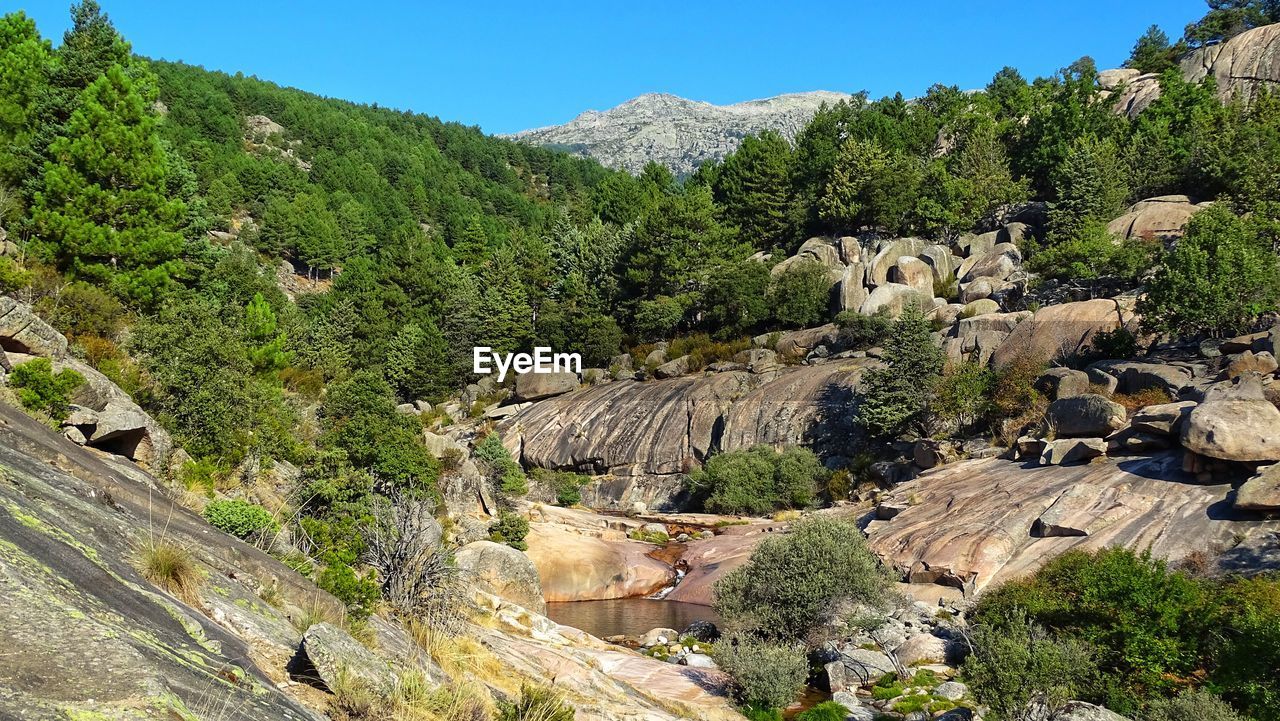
(676, 132)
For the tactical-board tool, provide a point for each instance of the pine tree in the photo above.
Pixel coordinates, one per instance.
(264, 344)
(418, 362)
(1152, 53)
(103, 208)
(896, 397)
(25, 63)
(753, 187)
(1091, 186)
(844, 203)
(505, 315)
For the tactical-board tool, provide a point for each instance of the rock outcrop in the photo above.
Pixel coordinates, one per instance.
(974, 523)
(502, 571)
(641, 437)
(586, 565)
(672, 131)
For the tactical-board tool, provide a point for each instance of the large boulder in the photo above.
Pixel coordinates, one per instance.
(1085, 415)
(1136, 377)
(1235, 423)
(1242, 65)
(1262, 363)
(1058, 383)
(673, 368)
(940, 260)
(21, 331)
(536, 386)
(333, 654)
(1260, 493)
(913, 272)
(1162, 219)
(851, 290)
(1064, 451)
(577, 566)
(999, 263)
(893, 297)
(1164, 419)
(887, 259)
(1058, 331)
(504, 572)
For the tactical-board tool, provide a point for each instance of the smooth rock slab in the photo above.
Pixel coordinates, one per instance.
(1260, 493)
(1072, 450)
(333, 652)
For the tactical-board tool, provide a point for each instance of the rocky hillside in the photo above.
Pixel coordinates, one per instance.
(673, 131)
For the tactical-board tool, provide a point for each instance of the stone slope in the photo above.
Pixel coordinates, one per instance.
(644, 436)
(1241, 66)
(975, 523)
(673, 131)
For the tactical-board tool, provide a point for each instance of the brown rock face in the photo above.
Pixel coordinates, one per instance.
(1246, 63)
(576, 566)
(977, 522)
(1059, 330)
(503, 571)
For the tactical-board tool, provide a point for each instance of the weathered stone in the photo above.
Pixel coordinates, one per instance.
(673, 368)
(1234, 423)
(1106, 383)
(1058, 331)
(887, 259)
(1262, 363)
(922, 648)
(894, 298)
(656, 357)
(940, 260)
(333, 652)
(21, 331)
(1241, 343)
(1136, 377)
(981, 306)
(858, 667)
(578, 567)
(1000, 322)
(915, 273)
(504, 572)
(1160, 219)
(1058, 383)
(1081, 711)
(758, 360)
(1163, 419)
(851, 291)
(978, 289)
(1071, 450)
(998, 263)
(951, 690)
(1085, 415)
(536, 386)
(1260, 493)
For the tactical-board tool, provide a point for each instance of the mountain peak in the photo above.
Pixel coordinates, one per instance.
(676, 132)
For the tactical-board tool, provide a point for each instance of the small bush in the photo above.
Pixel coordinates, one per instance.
(171, 567)
(358, 592)
(567, 487)
(1198, 705)
(1015, 660)
(42, 390)
(800, 295)
(536, 703)
(859, 331)
(766, 675)
(758, 480)
(13, 277)
(1118, 344)
(511, 529)
(793, 582)
(238, 517)
(503, 469)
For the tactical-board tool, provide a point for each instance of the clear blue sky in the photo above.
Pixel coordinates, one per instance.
(507, 66)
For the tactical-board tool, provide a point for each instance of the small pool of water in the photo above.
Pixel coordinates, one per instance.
(629, 616)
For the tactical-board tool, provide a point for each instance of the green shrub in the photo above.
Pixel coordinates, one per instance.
(536, 703)
(1197, 705)
(758, 481)
(40, 389)
(1217, 280)
(238, 517)
(1118, 344)
(859, 331)
(800, 295)
(1015, 659)
(13, 277)
(358, 592)
(825, 711)
(511, 529)
(793, 581)
(566, 486)
(754, 713)
(507, 474)
(766, 674)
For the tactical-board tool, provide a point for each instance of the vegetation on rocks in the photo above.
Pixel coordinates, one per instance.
(758, 481)
(40, 389)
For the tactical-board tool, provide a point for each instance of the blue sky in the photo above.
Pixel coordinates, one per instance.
(507, 66)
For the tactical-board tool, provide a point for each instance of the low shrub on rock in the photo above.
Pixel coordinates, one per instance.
(759, 480)
(238, 517)
(793, 582)
(766, 674)
(42, 390)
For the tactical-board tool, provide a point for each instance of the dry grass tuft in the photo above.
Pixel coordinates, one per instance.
(171, 567)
